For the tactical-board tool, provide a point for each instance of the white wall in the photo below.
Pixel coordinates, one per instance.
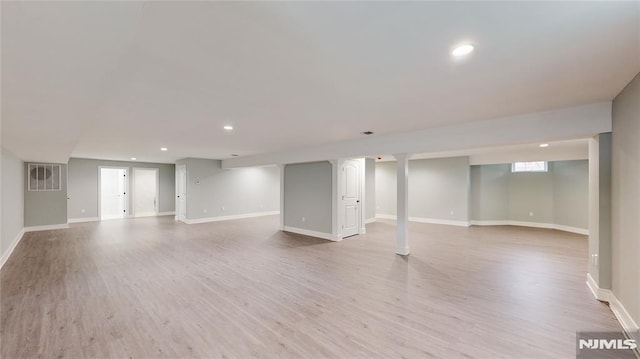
(489, 192)
(437, 188)
(12, 212)
(83, 185)
(625, 199)
(215, 192)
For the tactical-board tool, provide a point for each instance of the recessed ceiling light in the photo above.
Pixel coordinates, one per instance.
(544, 145)
(133, 158)
(228, 128)
(462, 50)
(367, 133)
(164, 149)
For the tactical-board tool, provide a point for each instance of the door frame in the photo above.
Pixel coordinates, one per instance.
(340, 191)
(181, 217)
(133, 189)
(126, 186)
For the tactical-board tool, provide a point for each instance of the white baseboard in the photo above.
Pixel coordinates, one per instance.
(369, 220)
(363, 230)
(439, 221)
(427, 220)
(172, 213)
(558, 227)
(602, 295)
(232, 217)
(81, 220)
(13, 246)
(46, 228)
(310, 233)
(605, 295)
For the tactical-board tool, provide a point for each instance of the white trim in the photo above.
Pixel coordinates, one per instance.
(170, 213)
(628, 324)
(46, 228)
(369, 220)
(427, 220)
(600, 294)
(13, 246)
(363, 230)
(386, 216)
(81, 220)
(307, 232)
(232, 217)
(558, 227)
(439, 221)
(620, 312)
(402, 251)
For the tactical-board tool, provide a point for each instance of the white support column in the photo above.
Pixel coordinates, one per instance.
(282, 196)
(402, 241)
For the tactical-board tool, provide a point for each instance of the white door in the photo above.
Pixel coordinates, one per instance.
(145, 192)
(350, 199)
(181, 193)
(113, 193)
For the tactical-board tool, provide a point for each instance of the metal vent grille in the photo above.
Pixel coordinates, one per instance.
(44, 177)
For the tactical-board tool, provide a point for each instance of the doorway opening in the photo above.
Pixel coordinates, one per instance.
(181, 193)
(113, 193)
(145, 192)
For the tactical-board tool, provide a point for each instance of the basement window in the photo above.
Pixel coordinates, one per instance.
(535, 166)
(44, 177)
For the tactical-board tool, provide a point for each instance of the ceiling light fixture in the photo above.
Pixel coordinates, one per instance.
(133, 158)
(164, 149)
(228, 128)
(544, 145)
(462, 50)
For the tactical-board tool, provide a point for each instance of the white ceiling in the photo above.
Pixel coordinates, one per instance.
(120, 79)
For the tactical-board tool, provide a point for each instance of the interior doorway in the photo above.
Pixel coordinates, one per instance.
(113, 193)
(181, 193)
(145, 192)
(350, 187)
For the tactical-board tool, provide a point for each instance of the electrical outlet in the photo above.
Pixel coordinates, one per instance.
(204, 210)
(304, 219)
(82, 210)
(222, 209)
(451, 213)
(530, 214)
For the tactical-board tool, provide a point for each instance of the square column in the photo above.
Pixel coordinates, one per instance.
(402, 240)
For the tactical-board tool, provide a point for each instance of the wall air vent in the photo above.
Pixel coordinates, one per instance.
(44, 177)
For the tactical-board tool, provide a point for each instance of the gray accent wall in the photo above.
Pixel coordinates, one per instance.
(625, 199)
(83, 185)
(308, 192)
(531, 197)
(489, 195)
(12, 211)
(559, 196)
(45, 208)
(216, 192)
(437, 187)
(370, 188)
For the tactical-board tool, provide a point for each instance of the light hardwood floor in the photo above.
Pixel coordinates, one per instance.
(151, 287)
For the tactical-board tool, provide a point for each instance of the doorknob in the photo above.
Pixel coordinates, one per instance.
(358, 201)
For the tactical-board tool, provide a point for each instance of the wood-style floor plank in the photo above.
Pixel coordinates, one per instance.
(154, 288)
